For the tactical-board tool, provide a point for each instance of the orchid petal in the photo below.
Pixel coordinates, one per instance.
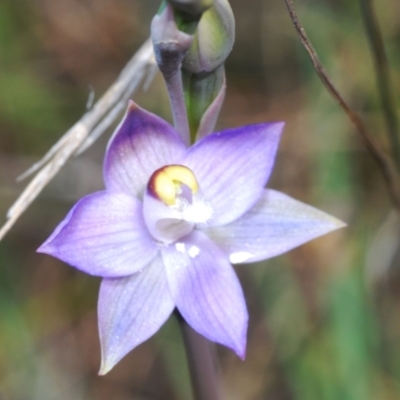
(141, 144)
(233, 166)
(275, 225)
(207, 291)
(132, 309)
(104, 235)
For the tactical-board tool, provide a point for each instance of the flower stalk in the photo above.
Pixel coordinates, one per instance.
(178, 105)
(202, 363)
(170, 47)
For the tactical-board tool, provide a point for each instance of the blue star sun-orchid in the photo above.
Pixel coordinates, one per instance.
(170, 222)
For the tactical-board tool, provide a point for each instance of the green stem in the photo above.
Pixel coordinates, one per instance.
(201, 359)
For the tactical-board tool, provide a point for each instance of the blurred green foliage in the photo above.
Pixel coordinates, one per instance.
(323, 325)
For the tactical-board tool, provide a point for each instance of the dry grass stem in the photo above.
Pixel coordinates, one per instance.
(384, 161)
(84, 132)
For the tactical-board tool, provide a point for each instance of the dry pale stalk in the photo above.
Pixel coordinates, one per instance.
(84, 132)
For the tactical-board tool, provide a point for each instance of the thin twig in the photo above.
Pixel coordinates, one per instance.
(382, 74)
(385, 163)
(84, 132)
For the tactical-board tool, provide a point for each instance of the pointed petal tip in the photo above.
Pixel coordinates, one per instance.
(101, 372)
(279, 126)
(42, 249)
(47, 248)
(242, 354)
(237, 345)
(241, 345)
(336, 223)
(132, 106)
(105, 367)
(240, 350)
(109, 359)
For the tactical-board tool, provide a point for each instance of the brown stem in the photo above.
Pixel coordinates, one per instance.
(382, 74)
(384, 162)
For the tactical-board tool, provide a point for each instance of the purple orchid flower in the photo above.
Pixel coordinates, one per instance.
(172, 219)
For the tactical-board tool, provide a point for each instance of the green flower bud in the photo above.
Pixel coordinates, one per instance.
(191, 7)
(204, 95)
(213, 39)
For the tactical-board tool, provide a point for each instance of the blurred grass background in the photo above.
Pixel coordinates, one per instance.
(324, 318)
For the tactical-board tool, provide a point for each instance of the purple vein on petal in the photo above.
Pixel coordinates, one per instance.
(275, 225)
(131, 310)
(104, 235)
(233, 166)
(206, 291)
(141, 144)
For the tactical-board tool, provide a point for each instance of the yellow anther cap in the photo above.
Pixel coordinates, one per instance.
(166, 181)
